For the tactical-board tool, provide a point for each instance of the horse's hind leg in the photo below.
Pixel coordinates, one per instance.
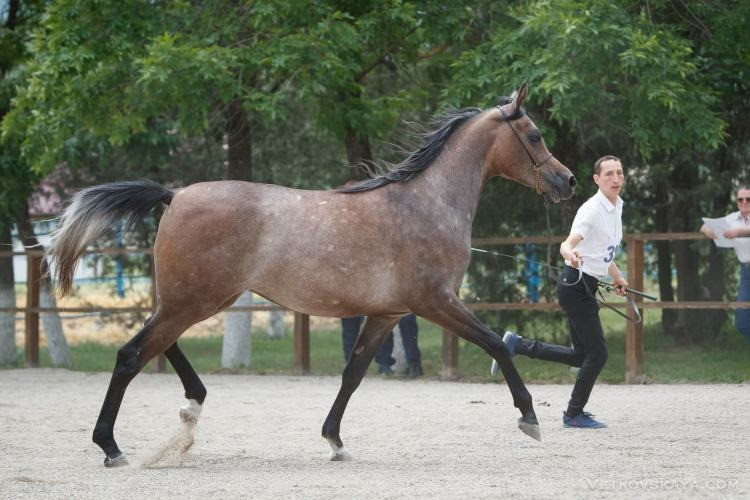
(156, 335)
(455, 317)
(195, 393)
(372, 334)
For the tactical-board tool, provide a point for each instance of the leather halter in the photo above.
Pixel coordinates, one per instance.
(537, 165)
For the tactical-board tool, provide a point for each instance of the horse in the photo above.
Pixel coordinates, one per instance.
(389, 245)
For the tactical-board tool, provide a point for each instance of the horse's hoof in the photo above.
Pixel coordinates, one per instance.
(190, 412)
(118, 461)
(339, 455)
(187, 416)
(530, 426)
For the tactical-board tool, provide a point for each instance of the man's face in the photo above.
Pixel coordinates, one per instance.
(743, 201)
(611, 178)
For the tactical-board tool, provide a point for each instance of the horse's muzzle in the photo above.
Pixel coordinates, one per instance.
(562, 185)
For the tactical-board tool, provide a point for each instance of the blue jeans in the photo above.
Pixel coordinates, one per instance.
(408, 327)
(742, 316)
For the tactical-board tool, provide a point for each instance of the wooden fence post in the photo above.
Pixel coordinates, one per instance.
(634, 333)
(302, 343)
(33, 278)
(450, 355)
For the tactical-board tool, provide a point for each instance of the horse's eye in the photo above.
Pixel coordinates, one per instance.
(535, 137)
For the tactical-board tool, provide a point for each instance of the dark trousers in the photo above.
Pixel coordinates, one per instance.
(589, 350)
(408, 327)
(742, 316)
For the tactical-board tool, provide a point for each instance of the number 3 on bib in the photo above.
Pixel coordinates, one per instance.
(611, 250)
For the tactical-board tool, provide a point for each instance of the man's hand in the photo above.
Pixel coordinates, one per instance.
(619, 286)
(705, 230)
(732, 233)
(574, 257)
(569, 252)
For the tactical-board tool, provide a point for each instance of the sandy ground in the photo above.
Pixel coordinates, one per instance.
(259, 437)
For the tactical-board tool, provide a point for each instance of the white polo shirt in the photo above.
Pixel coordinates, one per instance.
(736, 221)
(600, 224)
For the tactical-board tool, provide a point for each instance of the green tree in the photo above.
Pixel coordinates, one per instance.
(111, 77)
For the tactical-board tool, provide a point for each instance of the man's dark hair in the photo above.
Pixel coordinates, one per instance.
(598, 164)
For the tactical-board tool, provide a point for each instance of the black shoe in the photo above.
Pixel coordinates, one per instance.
(385, 370)
(415, 370)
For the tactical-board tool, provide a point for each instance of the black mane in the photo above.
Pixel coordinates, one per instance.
(420, 159)
(423, 157)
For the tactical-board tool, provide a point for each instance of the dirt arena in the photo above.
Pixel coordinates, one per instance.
(259, 437)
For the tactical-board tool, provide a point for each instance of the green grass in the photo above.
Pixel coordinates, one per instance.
(665, 361)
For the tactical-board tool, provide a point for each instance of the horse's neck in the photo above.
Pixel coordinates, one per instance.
(455, 180)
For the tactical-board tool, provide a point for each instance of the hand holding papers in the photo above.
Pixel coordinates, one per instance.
(719, 227)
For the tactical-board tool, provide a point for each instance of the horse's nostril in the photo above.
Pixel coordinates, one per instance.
(572, 182)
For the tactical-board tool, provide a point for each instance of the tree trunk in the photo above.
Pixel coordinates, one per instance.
(53, 331)
(276, 324)
(239, 144)
(664, 260)
(715, 276)
(568, 146)
(691, 325)
(358, 154)
(399, 353)
(8, 349)
(235, 350)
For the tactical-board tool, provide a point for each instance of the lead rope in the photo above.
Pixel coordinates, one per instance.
(549, 252)
(637, 319)
(601, 301)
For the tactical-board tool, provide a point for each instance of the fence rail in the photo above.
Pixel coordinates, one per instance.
(633, 338)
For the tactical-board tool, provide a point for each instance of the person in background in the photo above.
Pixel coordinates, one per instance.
(739, 227)
(383, 356)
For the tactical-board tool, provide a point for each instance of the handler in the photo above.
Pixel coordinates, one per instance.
(739, 227)
(594, 237)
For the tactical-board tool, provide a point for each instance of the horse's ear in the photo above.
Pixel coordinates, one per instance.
(519, 96)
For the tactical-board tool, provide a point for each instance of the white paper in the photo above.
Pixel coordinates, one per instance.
(719, 227)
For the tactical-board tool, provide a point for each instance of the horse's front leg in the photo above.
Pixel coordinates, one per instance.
(371, 335)
(195, 392)
(454, 316)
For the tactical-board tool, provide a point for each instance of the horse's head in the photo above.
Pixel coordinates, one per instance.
(518, 151)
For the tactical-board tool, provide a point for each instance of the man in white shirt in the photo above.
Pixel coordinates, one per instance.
(739, 227)
(591, 246)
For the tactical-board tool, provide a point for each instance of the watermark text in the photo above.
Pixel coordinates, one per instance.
(662, 484)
